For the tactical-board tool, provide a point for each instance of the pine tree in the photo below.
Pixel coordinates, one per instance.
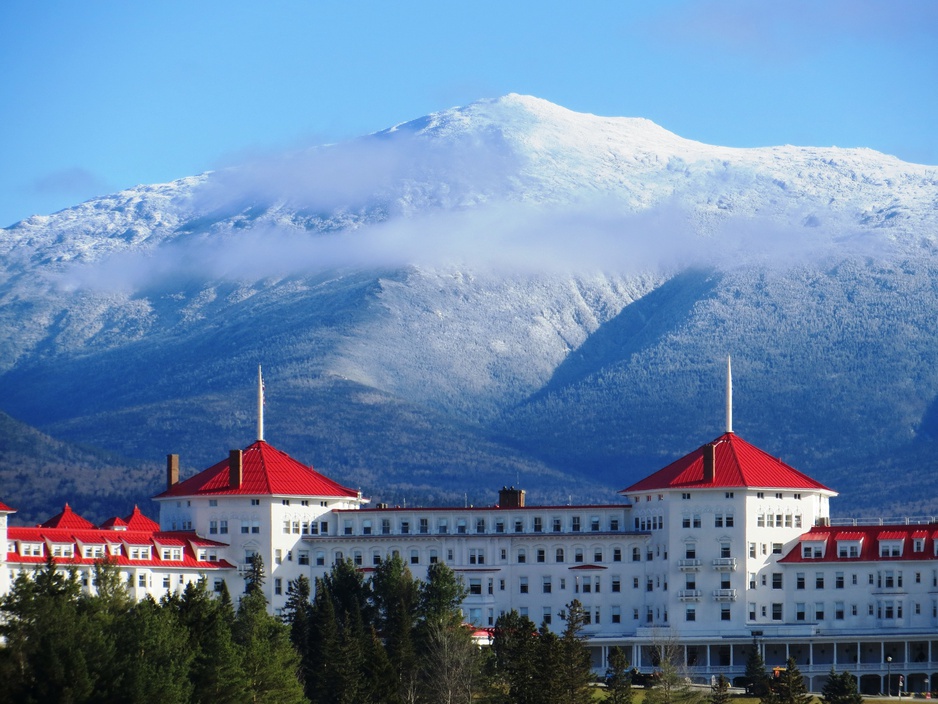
(576, 669)
(297, 613)
(840, 689)
(788, 687)
(154, 660)
(268, 658)
(216, 673)
(618, 679)
(395, 594)
(720, 691)
(323, 647)
(516, 665)
(756, 676)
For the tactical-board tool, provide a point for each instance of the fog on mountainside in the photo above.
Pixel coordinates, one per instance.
(503, 293)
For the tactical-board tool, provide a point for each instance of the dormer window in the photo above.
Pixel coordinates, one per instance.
(890, 548)
(812, 550)
(848, 548)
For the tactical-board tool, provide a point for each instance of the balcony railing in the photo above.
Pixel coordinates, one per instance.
(689, 565)
(725, 564)
(689, 594)
(724, 594)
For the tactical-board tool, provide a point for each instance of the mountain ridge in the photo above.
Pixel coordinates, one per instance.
(552, 287)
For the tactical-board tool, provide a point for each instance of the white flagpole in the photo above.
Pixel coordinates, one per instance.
(260, 404)
(729, 395)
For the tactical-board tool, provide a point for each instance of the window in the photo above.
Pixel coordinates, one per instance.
(819, 580)
(578, 554)
(278, 585)
(839, 580)
(690, 614)
(616, 614)
(776, 580)
(480, 525)
(690, 551)
(424, 526)
(725, 612)
(617, 554)
(776, 548)
(405, 527)
(346, 527)
(776, 612)
(385, 526)
(278, 557)
(616, 583)
(800, 611)
(461, 526)
(302, 557)
(613, 524)
(546, 585)
(594, 524)
(839, 611)
(725, 550)
(597, 555)
(559, 555)
(819, 611)
(357, 558)
(500, 525)
(752, 551)
(519, 525)
(442, 526)
(636, 555)
(556, 524)
(575, 524)
(541, 555)
(538, 524)
(285, 502)
(434, 556)
(415, 557)
(685, 496)
(523, 585)
(320, 557)
(475, 585)
(799, 580)
(522, 557)
(476, 556)
(166, 581)
(213, 502)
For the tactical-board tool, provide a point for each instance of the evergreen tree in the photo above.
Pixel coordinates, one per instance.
(44, 633)
(576, 669)
(216, 673)
(840, 689)
(788, 687)
(395, 594)
(756, 677)
(516, 657)
(550, 666)
(154, 659)
(268, 658)
(323, 647)
(441, 596)
(380, 683)
(298, 615)
(720, 690)
(618, 679)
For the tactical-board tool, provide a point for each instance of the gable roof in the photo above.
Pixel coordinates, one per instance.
(137, 521)
(67, 518)
(6, 509)
(737, 464)
(265, 471)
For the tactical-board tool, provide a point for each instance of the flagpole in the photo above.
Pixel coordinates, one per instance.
(260, 404)
(729, 395)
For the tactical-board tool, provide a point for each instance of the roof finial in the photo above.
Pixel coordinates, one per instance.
(729, 395)
(260, 405)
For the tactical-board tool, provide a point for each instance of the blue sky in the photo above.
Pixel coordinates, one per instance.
(99, 96)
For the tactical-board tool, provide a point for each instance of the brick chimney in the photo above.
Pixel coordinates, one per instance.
(235, 469)
(509, 497)
(709, 461)
(172, 471)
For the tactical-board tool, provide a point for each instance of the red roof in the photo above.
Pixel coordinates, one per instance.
(6, 509)
(137, 521)
(265, 471)
(869, 538)
(67, 519)
(102, 536)
(736, 464)
(115, 523)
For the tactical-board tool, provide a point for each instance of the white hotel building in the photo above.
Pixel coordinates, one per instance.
(721, 549)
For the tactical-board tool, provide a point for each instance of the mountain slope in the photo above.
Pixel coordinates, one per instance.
(504, 288)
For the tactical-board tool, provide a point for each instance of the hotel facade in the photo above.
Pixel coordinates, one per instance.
(726, 549)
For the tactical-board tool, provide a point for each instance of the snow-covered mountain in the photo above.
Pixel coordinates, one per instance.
(501, 293)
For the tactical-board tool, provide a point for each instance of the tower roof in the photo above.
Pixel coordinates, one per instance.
(736, 463)
(67, 518)
(265, 471)
(6, 509)
(137, 521)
